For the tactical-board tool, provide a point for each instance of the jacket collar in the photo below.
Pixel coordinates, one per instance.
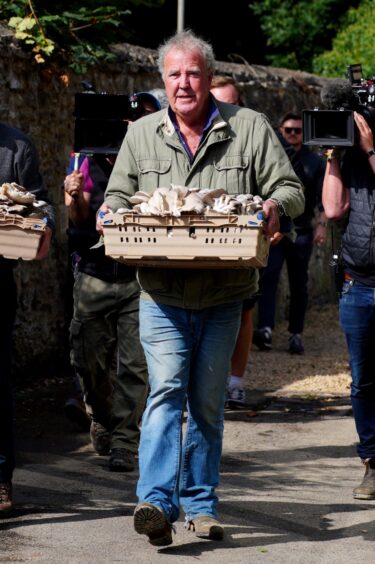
(167, 127)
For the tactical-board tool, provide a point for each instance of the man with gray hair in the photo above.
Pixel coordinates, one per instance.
(189, 319)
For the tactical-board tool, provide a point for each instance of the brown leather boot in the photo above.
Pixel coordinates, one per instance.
(150, 520)
(6, 502)
(100, 438)
(366, 490)
(206, 527)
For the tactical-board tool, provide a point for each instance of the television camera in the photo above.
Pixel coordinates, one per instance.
(335, 126)
(101, 120)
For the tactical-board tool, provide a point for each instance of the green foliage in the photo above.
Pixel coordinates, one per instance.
(296, 30)
(80, 32)
(30, 34)
(354, 43)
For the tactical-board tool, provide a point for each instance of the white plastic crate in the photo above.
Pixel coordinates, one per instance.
(189, 241)
(20, 236)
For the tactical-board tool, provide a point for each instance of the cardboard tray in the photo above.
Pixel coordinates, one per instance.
(189, 241)
(20, 236)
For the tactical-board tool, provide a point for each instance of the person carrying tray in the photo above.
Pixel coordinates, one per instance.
(189, 319)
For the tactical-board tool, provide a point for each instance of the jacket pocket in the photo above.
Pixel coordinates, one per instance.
(153, 173)
(233, 174)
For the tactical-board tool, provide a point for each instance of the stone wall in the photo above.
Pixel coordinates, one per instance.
(40, 102)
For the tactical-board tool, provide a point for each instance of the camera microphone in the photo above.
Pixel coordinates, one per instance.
(338, 94)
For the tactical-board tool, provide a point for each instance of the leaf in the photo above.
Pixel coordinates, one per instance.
(23, 36)
(14, 22)
(26, 23)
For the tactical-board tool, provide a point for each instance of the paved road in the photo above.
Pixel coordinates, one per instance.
(286, 496)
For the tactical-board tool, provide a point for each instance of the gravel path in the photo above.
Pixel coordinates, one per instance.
(322, 371)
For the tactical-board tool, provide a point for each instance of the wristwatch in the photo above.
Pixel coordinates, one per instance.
(280, 207)
(370, 153)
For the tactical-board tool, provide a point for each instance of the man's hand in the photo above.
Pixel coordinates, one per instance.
(44, 244)
(101, 212)
(320, 235)
(276, 238)
(366, 138)
(271, 213)
(73, 184)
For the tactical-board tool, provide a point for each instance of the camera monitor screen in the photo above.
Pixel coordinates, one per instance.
(103, 106)
(328, 128)
(99, 136)
(100, 122)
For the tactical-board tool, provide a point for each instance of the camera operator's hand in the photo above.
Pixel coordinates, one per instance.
(73, 185)
(366, 138)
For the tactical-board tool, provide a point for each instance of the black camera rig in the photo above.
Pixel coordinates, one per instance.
(335, 127)
(101, 120)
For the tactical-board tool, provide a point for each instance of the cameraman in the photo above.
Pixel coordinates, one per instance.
(349, 190)
(105, 316)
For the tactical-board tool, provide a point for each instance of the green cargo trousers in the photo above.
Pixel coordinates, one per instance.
(105, 322)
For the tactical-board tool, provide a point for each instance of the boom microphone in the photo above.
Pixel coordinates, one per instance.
(338, 94)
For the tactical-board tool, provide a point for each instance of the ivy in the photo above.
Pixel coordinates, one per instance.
(77, 32)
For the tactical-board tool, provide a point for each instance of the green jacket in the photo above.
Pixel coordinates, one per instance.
(240, 153)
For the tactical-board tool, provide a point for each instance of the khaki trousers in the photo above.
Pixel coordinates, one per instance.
(107, 355)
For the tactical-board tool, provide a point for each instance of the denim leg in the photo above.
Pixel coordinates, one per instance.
(8, 311)
(180, 344)
(269, 279)
(357, 317)
(167, 339)
(297, 259)
(217, 331)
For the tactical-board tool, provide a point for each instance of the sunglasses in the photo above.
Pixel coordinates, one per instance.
(297, 130)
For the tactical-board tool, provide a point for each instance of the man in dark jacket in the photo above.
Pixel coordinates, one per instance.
(296, 253)
(349, 190)
(18, 163)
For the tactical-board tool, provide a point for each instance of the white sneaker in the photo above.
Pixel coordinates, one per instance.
(236, 397)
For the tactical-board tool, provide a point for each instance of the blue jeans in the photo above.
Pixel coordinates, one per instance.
(8, 311)
(188, 355)
(297, 256)
(357, 318)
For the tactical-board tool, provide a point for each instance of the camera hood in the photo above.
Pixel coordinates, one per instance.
(328, 128)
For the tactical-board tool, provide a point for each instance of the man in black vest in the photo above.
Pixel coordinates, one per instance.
(349, 190)
(105, 319)
(296, 253)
